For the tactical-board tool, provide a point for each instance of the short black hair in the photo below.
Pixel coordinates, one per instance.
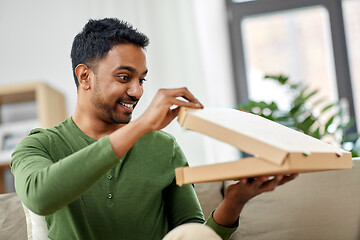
(98, 37)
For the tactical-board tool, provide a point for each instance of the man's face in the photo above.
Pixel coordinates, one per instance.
(117, 83)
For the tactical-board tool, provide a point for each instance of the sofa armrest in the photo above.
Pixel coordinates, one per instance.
(12, 218)
(210, 195)
(321, 205)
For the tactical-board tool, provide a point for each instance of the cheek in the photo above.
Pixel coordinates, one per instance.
(117, 91)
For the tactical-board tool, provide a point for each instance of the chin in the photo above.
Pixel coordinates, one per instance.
(121, 120)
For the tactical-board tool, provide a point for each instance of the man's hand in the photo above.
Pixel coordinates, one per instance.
(159, 113)
(237, 195)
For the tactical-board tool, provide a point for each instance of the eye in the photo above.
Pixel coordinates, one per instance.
(142, 80)
(124, 77)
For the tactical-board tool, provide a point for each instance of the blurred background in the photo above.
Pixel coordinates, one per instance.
(219, 49)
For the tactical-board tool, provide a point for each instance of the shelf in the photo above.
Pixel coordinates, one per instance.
(50, 102)
(49, 107)
(5, 157)
(11, 134)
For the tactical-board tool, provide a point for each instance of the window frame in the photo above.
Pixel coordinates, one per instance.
(237, 11)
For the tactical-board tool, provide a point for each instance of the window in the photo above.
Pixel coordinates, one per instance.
(302, 39)
(296, 43)
(351, 10)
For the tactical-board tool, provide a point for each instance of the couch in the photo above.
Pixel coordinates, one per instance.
(316, 206)
(321, 205)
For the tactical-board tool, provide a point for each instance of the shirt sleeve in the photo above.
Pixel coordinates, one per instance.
(224, 232)
(44, 186)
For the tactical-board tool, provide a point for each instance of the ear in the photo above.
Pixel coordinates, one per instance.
(83, 75)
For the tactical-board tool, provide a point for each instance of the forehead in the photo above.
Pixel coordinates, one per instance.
(124, 55)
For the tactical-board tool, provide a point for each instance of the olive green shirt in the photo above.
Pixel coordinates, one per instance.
(86, 192)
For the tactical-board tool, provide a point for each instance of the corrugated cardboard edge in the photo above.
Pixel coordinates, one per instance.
(183, 114)
(254, 167)
(179, 173)
(247, 167)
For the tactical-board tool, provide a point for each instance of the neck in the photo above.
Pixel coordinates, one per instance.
(92, 125)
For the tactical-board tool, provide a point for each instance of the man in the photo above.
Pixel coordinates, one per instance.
(99, 176)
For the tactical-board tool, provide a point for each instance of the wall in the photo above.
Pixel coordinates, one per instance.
(185, 50)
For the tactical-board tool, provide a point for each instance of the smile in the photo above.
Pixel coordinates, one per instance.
(128, 105)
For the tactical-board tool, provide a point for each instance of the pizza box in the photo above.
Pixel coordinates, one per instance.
(275, 149)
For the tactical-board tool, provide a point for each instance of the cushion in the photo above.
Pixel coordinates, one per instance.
(36, 225)
(12, 218)
(322, 205)
(209, 195)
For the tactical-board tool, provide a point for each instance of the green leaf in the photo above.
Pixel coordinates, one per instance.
(295, 86)
(311, 94)
(302, 90)
(329, 122)
(327, 107)
(319, 101)
(295, 109)
(307, 123)
(273, 106)
(245, 108)
(316, 133)
(263, 105)
(282, 79)
(347, 125)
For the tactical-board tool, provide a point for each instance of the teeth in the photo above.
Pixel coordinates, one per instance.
(127, 105)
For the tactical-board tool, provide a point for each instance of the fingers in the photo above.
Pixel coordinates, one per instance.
(278, 180)
(171, 114)
(181, 103)
(270, 185)
(174, 94)
(264, 184)
(257, 182)
(160, 112)
(288, 178)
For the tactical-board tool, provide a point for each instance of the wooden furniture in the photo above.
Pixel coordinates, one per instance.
(50, 107)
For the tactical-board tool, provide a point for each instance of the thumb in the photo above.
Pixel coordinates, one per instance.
(174, 112)
(171, 114)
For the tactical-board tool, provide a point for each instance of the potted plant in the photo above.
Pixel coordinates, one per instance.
(309, 114)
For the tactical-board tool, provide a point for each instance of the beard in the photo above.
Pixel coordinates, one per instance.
(110, 112)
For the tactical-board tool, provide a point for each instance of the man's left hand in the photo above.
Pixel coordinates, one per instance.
(237, 195)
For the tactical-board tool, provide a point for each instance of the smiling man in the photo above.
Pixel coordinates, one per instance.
(98, 175)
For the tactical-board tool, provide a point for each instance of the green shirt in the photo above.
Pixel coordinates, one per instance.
(86, 192)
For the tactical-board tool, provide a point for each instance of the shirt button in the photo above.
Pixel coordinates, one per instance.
(109, 196)
(109, 177)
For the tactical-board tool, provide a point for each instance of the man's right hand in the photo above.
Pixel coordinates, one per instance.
(157, 116)
(159, 113)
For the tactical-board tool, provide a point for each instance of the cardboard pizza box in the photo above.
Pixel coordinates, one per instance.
(276, 149)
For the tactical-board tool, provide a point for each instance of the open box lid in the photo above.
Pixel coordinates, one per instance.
(253, 134)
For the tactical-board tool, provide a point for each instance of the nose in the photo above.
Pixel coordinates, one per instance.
(135, 89)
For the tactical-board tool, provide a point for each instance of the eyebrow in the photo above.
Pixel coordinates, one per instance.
(131, 69)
